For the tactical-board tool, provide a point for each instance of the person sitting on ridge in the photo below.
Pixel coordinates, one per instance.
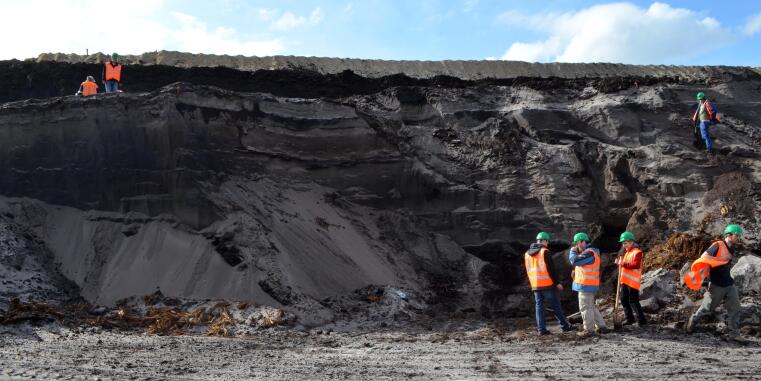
(88, 87)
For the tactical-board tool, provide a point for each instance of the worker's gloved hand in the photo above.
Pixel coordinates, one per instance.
(559, 287)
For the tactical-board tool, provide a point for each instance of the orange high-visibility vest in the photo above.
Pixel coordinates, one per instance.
(709, 110)
(702, 266)
(89, 88)
(536, 268)
(113, 72)
(631, 277)
(588, 275)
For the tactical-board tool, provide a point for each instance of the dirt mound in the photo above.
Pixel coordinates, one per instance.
(469, 70)
(679, 249)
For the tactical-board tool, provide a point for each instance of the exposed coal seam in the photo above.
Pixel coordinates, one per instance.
(26, 80)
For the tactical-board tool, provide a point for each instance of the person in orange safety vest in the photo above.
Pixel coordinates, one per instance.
(715, 264)
(112, 74)
(88, 87)
(630, 266)
(544, 283)
(586, 281)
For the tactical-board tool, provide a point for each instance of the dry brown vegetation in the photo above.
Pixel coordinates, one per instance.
(675, 252)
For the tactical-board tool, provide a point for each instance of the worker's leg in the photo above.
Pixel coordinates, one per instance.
(625, 302)
(706, 135)
(539, 307)
(586, 308)
(634, 301)
(111, 86)
(732, 304)
(554, 299)
(599, 321)
(711, 299)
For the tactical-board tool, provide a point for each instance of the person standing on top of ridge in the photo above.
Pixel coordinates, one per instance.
(112, 74)
(704, 116)
(586, 281)
(544, 282)
(88, 87)
(715, 262)
(630, 266)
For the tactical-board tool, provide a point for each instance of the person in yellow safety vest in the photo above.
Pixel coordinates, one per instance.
(586, 281)
(630, 266)
(715, 262)
(88, 87)
(544, 282)
(112, 74)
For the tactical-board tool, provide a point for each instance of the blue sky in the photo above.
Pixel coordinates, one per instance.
(667, 32)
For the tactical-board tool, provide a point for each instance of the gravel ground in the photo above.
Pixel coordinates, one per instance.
(473, 353)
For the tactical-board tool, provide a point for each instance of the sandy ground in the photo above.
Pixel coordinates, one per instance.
(472, 353)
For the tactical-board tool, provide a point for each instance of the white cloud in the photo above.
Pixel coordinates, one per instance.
(142, 25)
(288, 20)
(266, 14)
(194, 37)
(617, 32)
(753, 25)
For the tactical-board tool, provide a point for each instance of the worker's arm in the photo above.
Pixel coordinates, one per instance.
(582, 259)
(103, 74)
(712, 250)
(551, 268)
(634, 263)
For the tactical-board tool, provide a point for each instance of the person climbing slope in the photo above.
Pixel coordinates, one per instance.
(705, 115)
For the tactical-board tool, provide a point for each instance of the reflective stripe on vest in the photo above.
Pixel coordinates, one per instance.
(702, 266)
(89, 88)
(536, 269)
(588, 275)
(113, 72)
(631, 277)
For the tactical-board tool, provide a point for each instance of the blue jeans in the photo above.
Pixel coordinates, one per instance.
(112, 86)
(551, 296)
(704, 124)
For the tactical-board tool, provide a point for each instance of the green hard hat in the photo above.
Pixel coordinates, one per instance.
(580, 236)
(626, 236)
(733, 229)
(543, 236)
(114, 55)
(700, 95)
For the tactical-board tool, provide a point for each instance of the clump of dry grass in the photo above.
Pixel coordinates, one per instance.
(675, 252)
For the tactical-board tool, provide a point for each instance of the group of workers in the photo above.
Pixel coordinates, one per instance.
(111, 78)
(713, 264)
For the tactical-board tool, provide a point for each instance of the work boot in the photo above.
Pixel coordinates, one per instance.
(602, 330)
(736, 337)
(690, 326)
(584, 334)
(569, 328)
(544, 333)
(642, 323)
(629, 322)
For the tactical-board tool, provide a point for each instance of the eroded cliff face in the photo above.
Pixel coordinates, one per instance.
(432, 187)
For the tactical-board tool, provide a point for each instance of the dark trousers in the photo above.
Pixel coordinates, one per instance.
(551, 296)
(630, 301)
